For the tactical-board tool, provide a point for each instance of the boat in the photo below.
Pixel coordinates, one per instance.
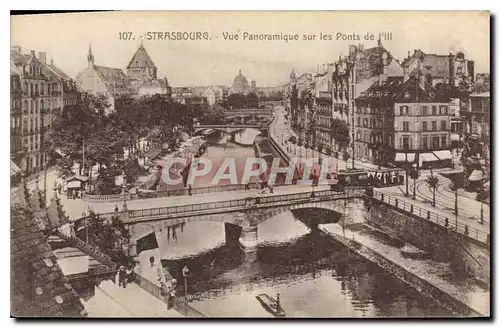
(271, 305)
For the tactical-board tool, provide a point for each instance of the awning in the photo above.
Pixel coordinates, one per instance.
(14, 168)
(403, 157)
(74, 184)
(427, 157)
(476, 175)
(443, 154)
(455, 137)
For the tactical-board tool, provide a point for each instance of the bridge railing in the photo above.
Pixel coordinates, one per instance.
(228, 204)
(444, 221)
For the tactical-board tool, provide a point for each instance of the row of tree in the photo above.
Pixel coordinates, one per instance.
(90, 125)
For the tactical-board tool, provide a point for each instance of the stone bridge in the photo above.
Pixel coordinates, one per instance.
(243, 216)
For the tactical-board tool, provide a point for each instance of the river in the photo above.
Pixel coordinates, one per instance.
(314, 275)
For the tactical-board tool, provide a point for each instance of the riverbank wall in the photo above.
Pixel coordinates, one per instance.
(466, 256)
(426, 288)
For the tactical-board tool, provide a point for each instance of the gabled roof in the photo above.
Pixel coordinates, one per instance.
(38, 286)
(57, 71)
(115, 80)
(397, 91)
(19, 58)
(141, 59)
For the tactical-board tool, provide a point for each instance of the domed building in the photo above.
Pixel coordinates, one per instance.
(240, 84)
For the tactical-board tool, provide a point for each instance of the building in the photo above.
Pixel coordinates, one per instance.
(451, 69)
(478, 118)
(302, 106)
(42, 95)
(353, 75)
(188, 96)
(16, 115)
(323, 107)
(240, 84)
(403, 122)
(143, 75)
(38, 286)
(107, 81)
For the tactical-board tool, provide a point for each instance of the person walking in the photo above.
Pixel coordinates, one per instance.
(189, 190)
(121, 276)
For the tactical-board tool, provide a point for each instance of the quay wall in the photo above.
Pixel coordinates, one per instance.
(465, 255)
(422, 286)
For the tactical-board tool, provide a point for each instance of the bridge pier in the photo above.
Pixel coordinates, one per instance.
(248, 239)
(233, 233)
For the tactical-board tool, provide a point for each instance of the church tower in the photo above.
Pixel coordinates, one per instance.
(141, 68)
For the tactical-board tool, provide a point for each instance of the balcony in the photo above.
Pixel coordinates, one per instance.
(55, 93)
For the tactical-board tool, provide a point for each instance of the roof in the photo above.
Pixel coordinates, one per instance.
(141, 59)
(159, 83)
(397, 91)
(115, 80)
(436, 65)
(19, 58)
(481, 95)
(369, 63)
(38, 286)
(13, 68)
(77, 177)
(57, 71)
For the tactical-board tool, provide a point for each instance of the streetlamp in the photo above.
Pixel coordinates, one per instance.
(185, 274)
(414, 174)
(124, 186)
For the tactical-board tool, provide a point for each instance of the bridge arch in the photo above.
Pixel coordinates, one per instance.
(271, 213)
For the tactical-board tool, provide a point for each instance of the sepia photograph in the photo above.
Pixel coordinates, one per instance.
(250, 164)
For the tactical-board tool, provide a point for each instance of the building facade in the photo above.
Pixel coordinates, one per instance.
(410, 117)
(110, 82)
(16, 115)
(353, 75)
(323, 107)
(478, 118)
(42, 96)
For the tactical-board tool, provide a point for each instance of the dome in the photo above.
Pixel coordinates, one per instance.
(240, 83)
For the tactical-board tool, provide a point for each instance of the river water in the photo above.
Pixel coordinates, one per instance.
(314, 275)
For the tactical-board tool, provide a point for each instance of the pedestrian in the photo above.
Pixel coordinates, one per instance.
(121, 276)
(128, 275)
(189, 190)
(247, 186)
(73, 193)
(152, 261)
(59, 187)
(116, 209)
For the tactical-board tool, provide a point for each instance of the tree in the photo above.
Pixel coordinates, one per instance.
(251, 100)
(433, 182)
(340, 132)
(457, 182)
(236, 101)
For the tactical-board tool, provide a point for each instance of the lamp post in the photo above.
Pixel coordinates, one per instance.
(124, 186)
(185, 274)
(414, 176)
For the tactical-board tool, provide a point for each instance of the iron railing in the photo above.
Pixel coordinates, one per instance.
(444, 221)
(150, 287)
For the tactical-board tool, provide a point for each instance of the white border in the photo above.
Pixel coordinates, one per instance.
(492, 5)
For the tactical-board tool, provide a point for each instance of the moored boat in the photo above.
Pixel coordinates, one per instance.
(271, 305)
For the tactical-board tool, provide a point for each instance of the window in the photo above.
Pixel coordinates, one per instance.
(443, 110)
(403, 110)
(434, 110)
(406, 142)
(424, 142)
(424, 126)
(443, 141)
(443, 125)
(434, 126)
(358, 135)
(459, 70)
(42, 89)
(425, 110)
(359, 121)
(435, 142)
(406, 126)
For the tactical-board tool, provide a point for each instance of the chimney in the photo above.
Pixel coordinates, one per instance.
(406, 74)
(451, 63)
(42, 56)
(421, 74)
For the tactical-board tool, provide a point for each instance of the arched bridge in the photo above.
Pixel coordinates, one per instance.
(245, 212)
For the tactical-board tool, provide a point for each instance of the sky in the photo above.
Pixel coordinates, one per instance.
(66, 38)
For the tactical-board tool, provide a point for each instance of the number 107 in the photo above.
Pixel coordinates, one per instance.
(125, 35)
